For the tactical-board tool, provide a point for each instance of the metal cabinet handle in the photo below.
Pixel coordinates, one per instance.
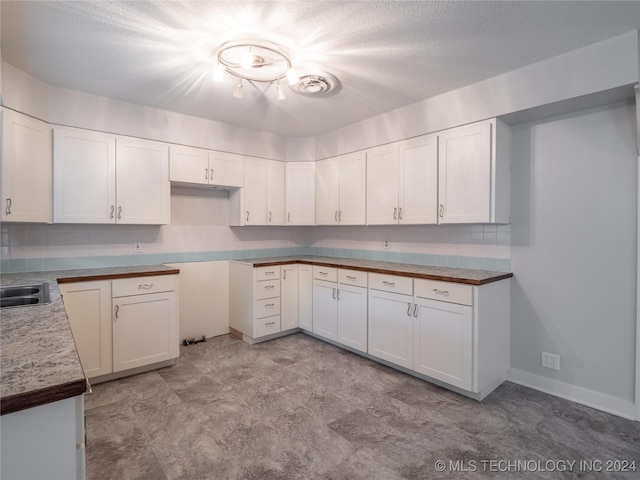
(389, 284)
(269, 216)
(324, 273)
(336, 216)
(119, 212)
(113, 209)
(117, 310)
(247, 219)
(289, 217)
(269, 323)
(349, 277)
(269, 305)
(8, 209)
(206, 174)
(145, 286)
(211, 174)
(441, 292)
(409, 309)
(269, 274)
(334, 294)
(339, 215)
(395, 213)
(415, 310)
(400, 213)
(441, 210)
(338, 293)
(284, 274)
(269, 287)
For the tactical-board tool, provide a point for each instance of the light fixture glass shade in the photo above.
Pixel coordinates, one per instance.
(217, 72)
(246, 61)
(279, 92)
(237, 92)
(292, 76)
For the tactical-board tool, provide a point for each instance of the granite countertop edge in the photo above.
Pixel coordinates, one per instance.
(39, 359)
(446, 274)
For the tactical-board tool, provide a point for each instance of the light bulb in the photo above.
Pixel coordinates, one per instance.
(279, 92)
(292, 76)
(217, 72)
(237, 92)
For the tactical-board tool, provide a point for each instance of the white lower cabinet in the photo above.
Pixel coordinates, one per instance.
(391, 327)
(443, 341)
(340, 308)
(123, 324)
(88, 306)
(289, 294)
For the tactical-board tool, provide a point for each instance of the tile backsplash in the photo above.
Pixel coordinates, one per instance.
(34, 247)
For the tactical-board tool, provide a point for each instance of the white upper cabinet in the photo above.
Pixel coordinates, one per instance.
(84, 176)
(341, 186)
(191, 166)
(418, 177)
(275, 192)
(261, 200)
(97, 179)
(474, 173)
(25, 168)
(402, 182)
(143, 191)
(300, 196)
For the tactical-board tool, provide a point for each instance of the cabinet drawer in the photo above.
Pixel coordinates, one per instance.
(267, 289)
(391, 283)
(352, 277)
(266, 273)
(267, 307)
(325, 273)
(123, 287)
(266, 326)
(444, 291)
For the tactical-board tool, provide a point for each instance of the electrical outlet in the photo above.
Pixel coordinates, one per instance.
(386, 244)
(551, 360)
(137, 247)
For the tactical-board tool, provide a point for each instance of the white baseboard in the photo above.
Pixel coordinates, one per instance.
(583, 396)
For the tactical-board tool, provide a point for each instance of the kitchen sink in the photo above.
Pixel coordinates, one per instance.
(23, 295)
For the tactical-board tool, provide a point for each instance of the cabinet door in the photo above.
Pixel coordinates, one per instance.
(305, 297)
(353, 189)
(145, 330)
(418, 180)
(464, 163)
(226, 169)
(275, 193)
(352, 317)
(255, 192)
(289, 297)
(25, 169)
(300, 191)
(327, 191)
(88, 306)
(443, 342)
(143, 190)
(325, 309)
(188, 165)
(382, 185)
(84, 176)
(391, 327)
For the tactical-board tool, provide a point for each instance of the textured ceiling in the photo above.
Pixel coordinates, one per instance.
(386, 54)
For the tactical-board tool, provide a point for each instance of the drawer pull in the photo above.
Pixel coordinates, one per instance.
(334, 294)
(395, 213)
(441, 292)
(269, 305)
(415, 310)
(119, 212)
(145, 286)
(388, 284)
(269, 274)
(350, 277)
(269, 287)
(409, 309)
(117, 310)
(8, 209)
(269, 323)
(112, 210)
(324, 273)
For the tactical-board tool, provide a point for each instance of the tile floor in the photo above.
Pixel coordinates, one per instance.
(298, 408)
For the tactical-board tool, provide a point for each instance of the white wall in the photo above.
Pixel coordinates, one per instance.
(573, 254)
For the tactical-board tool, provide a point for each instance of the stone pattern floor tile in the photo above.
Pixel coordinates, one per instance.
(299, 408)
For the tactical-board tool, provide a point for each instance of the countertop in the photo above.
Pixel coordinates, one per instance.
(445, 274)
(38, 357)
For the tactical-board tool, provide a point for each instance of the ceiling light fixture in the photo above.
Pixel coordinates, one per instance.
(258, 61)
